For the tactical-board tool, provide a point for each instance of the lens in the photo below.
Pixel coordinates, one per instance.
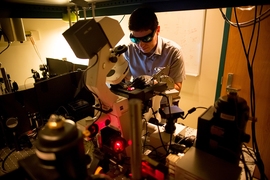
(146, 39)
(134, 40)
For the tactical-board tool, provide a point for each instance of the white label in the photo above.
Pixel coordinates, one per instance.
(227, 117)
(45, 156)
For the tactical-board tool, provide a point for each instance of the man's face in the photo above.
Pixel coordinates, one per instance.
(140, 36)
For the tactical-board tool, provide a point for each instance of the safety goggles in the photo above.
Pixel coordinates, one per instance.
(146, 39)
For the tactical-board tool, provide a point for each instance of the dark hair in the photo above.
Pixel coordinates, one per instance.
(143, 18)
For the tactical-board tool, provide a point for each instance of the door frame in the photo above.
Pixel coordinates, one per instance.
(223, 54)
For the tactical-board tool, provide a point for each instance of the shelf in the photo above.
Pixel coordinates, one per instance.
(113, 7)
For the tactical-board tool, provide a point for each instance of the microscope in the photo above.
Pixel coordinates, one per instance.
(96, 41)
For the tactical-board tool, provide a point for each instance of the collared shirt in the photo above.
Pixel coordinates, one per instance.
(166, 53)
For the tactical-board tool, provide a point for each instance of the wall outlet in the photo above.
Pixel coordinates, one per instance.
(33, 33)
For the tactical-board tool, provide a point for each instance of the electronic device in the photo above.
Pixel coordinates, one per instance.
(198, 164)
(79, 67)
(16, 112)
(63, 94)
(56, 141)
(57, 67)
(26, 110)
(88, 38)
(221, 128)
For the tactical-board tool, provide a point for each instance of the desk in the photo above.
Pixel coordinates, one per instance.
(197, 164)
(194, 163)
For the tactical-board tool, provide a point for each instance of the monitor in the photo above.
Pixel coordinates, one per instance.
(77, 67)
(55, 93)
(57, 67)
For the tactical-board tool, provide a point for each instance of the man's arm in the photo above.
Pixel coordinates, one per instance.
(178, 86)
(177, 69)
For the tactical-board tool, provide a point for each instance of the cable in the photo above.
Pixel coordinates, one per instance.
(99, 110)
(24, 143)
(153, 148)
(248, 151)
(62, 107)
(122, 18)
(159, 133)
(193, 109)
(157, 154)
(259, 18)
(4, 160)
(247, 171)
(171, 134)
(35, 47)
(252, 98)
(7, 41)
(170, 113)
(146, 133)
(259, 161)
(201, 107)
(25, 81)
(167, 99)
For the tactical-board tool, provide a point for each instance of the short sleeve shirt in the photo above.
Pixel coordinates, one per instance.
(167, 53)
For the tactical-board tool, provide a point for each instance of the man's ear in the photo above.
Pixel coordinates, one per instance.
(158, 30)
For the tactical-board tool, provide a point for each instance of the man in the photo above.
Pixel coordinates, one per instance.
(149, 51)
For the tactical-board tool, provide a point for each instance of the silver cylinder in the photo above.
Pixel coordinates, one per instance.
(135, 111)
(19, 29)
(7, 28)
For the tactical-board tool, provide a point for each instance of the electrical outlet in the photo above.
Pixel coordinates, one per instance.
(33, 33)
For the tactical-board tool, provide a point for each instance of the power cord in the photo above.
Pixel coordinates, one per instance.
(3, 33)
(250, 62)
(159, 133)
(193, 109)
(5, 159)
(146, 134)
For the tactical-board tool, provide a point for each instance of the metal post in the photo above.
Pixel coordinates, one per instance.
(135, 111)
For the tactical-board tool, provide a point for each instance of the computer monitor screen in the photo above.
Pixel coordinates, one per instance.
(77, 67)
(55, 92)
(57, 66)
